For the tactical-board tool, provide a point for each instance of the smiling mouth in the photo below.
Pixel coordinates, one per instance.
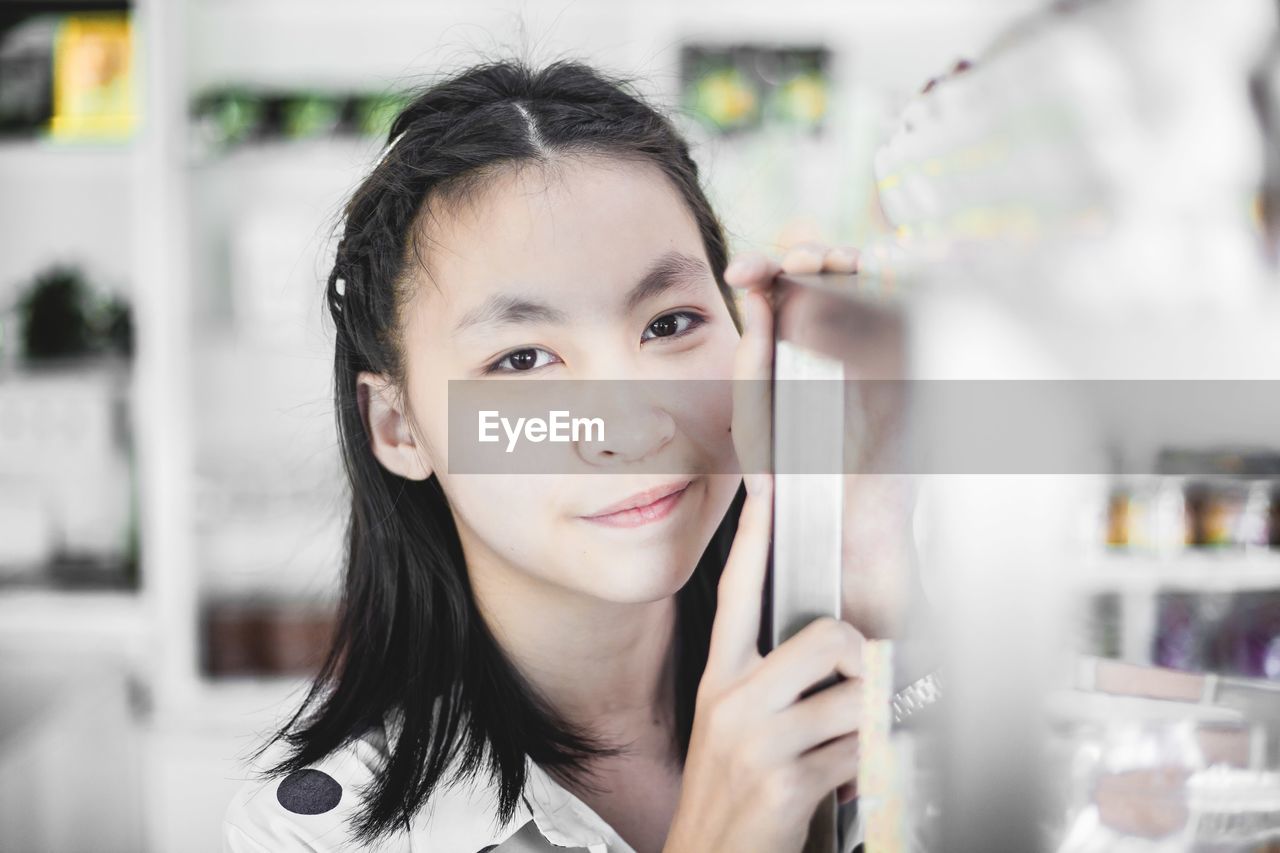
(646, 507)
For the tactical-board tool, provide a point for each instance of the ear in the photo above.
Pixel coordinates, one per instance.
(390, 437)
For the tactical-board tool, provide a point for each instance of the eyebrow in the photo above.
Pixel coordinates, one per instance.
(672, 270)
(502, 309)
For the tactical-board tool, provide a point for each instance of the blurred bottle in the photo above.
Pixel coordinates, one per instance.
(227, 117)
(26, 75)
(1264, 91)
(312, 115)
(1235, 515)
(1147, 516)
(1179, 641)
(1248, 643)
(1191, 631)
(374, 114)
(1273, 517)
(1216, 514)
(1253, 532)
(1120, 517)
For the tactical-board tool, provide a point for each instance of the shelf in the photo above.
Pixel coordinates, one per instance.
(241, 704)
(39, 159)
(1087, 706)
(71, 618)
(292, 156)
(1209, 572)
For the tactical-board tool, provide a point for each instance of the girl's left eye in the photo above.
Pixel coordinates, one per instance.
(673, 325)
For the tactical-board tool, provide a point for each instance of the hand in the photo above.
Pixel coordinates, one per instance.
(879, 587)
(754, 272)
(752, 410)
(761, 758)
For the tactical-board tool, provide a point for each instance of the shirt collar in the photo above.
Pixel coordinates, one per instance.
(561, 817)
(564, 819)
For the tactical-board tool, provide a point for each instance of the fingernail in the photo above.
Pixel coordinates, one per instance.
(846, 258)
(803, 259)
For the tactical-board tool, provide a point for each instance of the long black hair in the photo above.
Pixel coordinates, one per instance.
(410, 640)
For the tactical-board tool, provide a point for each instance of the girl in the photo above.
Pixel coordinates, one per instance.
(540, 661)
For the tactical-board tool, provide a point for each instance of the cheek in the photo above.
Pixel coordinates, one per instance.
(429, 403)
(704, 414)
(713, 355)
(701, 400)
(720, 350)
(510, 516)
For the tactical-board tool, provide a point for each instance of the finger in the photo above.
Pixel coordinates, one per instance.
(751, 271)
(752, 389)
(739, 593)
(822, 647)
(831, 765)
(754, 356)
(831, 713)
(841, 259)
(804, 258)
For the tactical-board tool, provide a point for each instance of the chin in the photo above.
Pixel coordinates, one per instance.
(647, 578)
(655, 561)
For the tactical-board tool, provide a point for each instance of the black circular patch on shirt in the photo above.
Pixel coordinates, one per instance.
(309, 792)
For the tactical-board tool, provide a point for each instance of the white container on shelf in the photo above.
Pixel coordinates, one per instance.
(64, 473)
(29, 540)
(271, 258)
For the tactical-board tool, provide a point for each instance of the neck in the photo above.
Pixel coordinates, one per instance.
(606, 666)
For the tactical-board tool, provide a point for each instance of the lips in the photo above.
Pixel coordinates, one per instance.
(641, 500)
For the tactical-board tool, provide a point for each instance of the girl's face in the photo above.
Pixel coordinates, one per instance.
(549, 274)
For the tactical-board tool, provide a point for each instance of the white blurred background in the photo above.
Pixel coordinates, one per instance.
(171, 507)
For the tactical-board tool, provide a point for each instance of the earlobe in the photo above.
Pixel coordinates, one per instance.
(390, 437)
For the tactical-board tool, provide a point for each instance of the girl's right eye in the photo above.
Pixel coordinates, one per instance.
(521, 361)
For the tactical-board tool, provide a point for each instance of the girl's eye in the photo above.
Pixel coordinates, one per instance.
(521, 360)
(673, 324)
(530, 358)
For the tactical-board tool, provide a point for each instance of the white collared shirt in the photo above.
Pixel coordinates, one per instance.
(313, 810)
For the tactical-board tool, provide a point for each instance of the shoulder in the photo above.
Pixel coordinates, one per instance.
(310, 809)
(315, 809)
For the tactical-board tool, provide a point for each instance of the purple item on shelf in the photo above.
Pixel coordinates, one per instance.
(1177, 641)
(1252, 636)
(1271, 660)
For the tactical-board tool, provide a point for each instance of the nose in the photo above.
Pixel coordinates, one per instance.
(635, 428)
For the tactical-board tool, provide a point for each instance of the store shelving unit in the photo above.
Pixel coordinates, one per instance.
(1225, 572)
(1014, 543)
(1137, 581)
(67, 201)
(52, 161)
(83, 620)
